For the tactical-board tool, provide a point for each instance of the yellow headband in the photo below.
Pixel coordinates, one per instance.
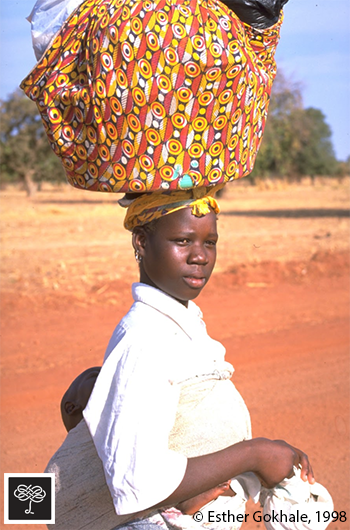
(152, 206)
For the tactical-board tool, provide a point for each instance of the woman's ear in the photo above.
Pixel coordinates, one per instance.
(139, 238)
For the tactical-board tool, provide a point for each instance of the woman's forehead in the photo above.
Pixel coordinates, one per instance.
(185, 220)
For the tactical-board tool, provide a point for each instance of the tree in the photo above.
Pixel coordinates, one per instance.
(279, 142)
(296, 141)
(25, 153)
(343, 169)
(316, 155)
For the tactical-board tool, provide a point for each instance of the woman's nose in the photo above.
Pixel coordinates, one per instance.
(198, 255)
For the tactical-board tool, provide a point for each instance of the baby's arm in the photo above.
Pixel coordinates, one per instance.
(194, 504)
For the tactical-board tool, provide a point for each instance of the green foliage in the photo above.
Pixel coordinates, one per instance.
(296, 141)
(25, 152)
(343, 168)
(316, 156)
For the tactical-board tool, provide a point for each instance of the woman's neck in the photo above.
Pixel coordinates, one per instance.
(144, 278)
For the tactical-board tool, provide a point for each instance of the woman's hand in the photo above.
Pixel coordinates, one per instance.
(276, 459)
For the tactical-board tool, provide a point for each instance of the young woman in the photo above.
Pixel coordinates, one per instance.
(166, 420)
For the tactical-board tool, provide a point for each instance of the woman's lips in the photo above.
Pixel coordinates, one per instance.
(194, 282)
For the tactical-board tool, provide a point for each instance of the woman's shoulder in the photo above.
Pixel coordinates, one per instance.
(142, 329)
(143, 318)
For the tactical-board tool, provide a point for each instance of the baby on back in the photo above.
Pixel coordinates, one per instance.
(82, 496)
(83, 499)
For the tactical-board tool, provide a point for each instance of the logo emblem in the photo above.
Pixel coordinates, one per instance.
(31, 494)
(29, 498)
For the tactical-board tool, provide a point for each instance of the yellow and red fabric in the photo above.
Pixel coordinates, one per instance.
(141, 95)
(151, 206)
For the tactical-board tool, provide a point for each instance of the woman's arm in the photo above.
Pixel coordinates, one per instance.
(271, 460)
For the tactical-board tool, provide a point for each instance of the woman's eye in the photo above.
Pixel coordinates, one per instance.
(212, 243)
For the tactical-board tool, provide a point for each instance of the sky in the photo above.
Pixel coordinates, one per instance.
(314, 50)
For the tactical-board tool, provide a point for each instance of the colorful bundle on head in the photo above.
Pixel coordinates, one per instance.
(140, 95)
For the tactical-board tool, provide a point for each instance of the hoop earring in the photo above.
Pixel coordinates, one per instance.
(138, 257)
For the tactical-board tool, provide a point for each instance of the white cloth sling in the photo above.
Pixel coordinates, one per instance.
(82, 498)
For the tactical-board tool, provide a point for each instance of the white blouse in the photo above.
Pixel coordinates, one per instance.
(157, 345)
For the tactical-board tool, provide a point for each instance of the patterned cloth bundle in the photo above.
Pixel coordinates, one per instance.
(141, 95)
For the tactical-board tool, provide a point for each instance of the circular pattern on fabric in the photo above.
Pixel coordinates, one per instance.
(146, 162)
(167, 173)
(142, 96)
(153, 137)
(175, 147)
(119, 171)
(137, 186)
(178, 120)
(196, 150)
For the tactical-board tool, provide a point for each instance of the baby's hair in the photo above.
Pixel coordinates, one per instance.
(75, 397)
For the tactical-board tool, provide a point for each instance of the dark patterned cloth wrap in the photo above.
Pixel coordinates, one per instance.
(141, 95)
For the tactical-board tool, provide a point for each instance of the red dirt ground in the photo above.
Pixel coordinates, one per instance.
(279, 302)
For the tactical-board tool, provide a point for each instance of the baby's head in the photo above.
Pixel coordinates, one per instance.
(76, 397)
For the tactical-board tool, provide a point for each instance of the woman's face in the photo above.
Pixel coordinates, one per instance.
(178, 257)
